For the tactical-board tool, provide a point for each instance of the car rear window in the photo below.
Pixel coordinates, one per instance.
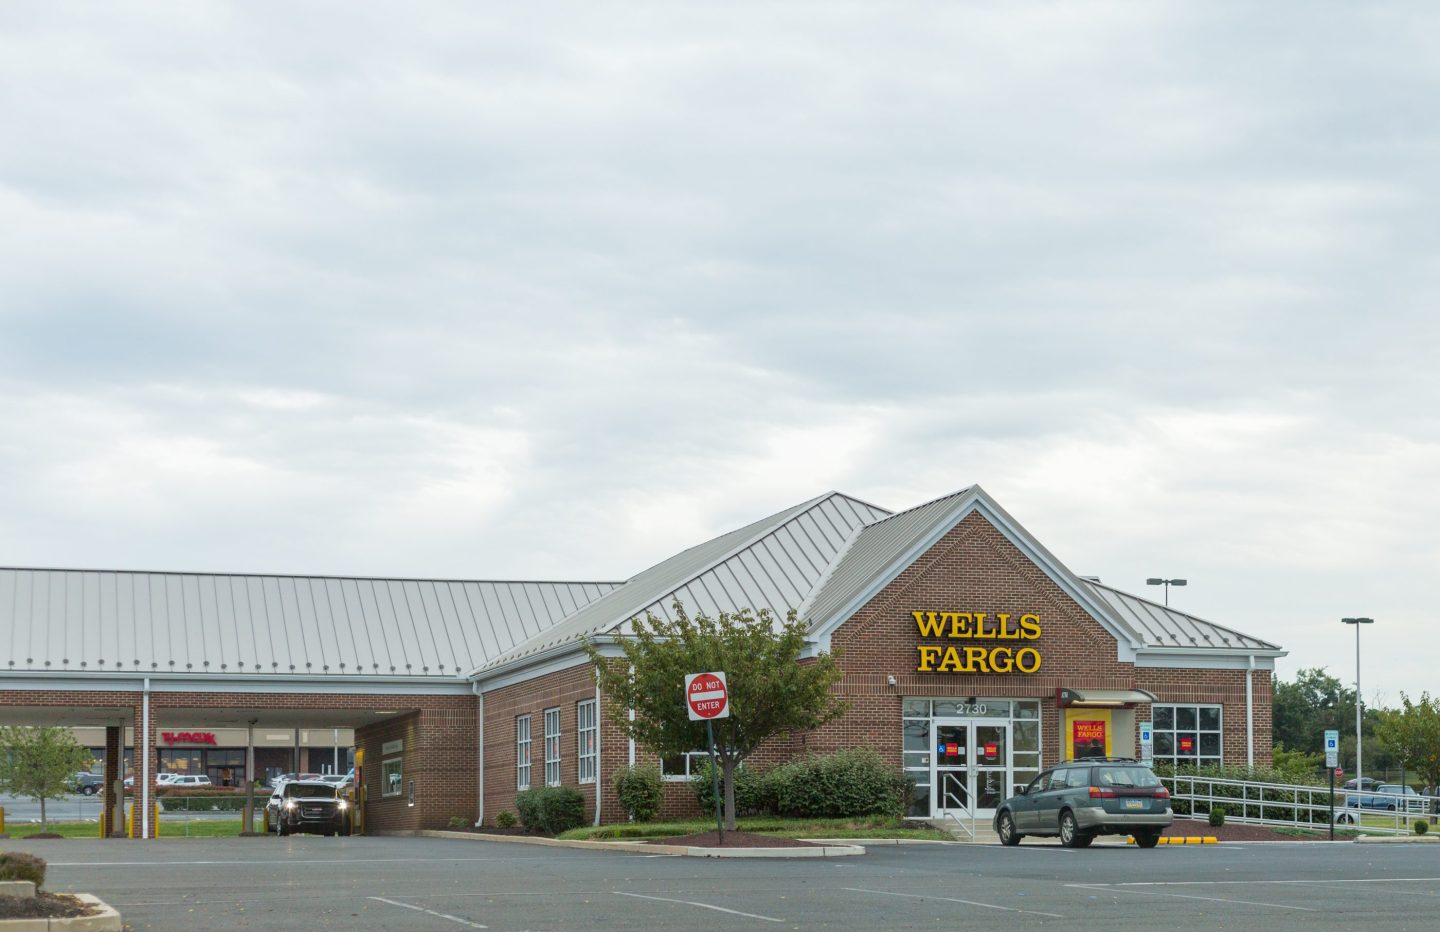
(1125, 776)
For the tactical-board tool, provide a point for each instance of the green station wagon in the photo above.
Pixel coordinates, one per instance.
(1080, 799)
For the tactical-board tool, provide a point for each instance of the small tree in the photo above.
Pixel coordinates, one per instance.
(1412, 735)
(771, 691)
(39, 763)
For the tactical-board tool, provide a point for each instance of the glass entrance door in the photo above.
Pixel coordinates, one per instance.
(971, 770)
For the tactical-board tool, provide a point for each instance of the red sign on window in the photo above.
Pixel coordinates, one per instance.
(1187, 744)
(992, 750)
(952, 749)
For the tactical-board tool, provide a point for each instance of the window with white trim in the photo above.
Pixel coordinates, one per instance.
(682, 766)
(1187, 734)
(587, 728)
(522, 752)
(552, 747)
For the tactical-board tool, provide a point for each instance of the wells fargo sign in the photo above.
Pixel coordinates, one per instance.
(972, 657)
(188, 737)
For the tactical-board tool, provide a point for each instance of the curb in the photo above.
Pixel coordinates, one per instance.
(1180, 840)
(640, 847)
(1397, 839)
(106, 920)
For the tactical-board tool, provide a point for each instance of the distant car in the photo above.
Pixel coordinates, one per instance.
(1387, 797)
(1080, 799)
(309, 806)
(165, 779)
(189, 780)
(87, 783)
(1366, 784)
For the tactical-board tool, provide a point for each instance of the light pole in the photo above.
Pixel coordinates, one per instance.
(1167, 583)
(1357, 622)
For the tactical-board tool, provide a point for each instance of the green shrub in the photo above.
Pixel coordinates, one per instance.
(551, 810)
(458, 822)
(1421, 826)
(1217, 816)
(16, 865)
(205, 802)
(752, 795)
(847, 784)
(641, 791)
(505, 819)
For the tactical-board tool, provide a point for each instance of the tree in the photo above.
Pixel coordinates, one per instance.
(1412, 735)
(772, 692)
(39, 763)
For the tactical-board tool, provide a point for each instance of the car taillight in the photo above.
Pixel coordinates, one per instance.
(1162, 793)
(1097, 792)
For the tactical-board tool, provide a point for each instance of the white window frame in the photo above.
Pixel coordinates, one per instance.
(1174, 758)
(552, 747)
(587, 739)
(690, 768)
(386, 782)
(522, 752)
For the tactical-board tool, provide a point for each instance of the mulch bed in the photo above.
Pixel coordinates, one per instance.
(732, 840)
(39, 835)
(43, 906)
(1234, 831)
(496, 830)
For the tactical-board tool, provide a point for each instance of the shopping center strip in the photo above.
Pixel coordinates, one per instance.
(972, 658)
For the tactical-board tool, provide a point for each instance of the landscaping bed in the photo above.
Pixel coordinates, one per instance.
(713, 839)
(44, 906)
(872, 827)
(1235, 831)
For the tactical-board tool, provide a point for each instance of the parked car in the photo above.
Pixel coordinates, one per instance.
(338, 779)
(309, 806)
(189, 780)
(87, 783)
(1366, 784)
(1080, 799)
(165, 779)
(1388, 797)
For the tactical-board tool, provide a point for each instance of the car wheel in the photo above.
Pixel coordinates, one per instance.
(283, 830)
(88, 790)
(1070, 834)
(1147, 839)
(1344, 819)
(1390, 808)
(1005, 828)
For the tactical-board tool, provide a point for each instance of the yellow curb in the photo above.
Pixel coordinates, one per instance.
(1164, 840)
(1211, 840)
(1192, 839)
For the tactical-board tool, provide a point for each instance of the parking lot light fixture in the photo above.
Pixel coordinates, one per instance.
(1357, 622)
(1167, 583)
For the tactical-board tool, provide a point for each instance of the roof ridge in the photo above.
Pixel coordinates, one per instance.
(435, 579)
(939, 498)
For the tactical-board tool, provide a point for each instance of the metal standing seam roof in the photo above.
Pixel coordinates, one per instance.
(1161, 626)
(129, 622)
(773, 563)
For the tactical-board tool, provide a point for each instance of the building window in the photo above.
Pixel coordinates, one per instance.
(522, 752)
(683, 766)
(589, 736)
(1187, 734)
(392, 776)
(552, 747)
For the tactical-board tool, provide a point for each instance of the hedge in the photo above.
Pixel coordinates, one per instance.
(551, 810)
(641, 791)
(16, 865)
(846, 784)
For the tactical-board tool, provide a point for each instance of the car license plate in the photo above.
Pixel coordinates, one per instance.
(1135, 804)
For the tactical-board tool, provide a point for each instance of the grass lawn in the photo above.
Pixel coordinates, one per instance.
(788, 828)
(198, 828)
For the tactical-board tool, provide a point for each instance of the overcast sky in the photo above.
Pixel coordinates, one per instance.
(555, 290)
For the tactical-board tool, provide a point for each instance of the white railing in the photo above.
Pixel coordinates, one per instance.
(968, 827)
(1299, 806)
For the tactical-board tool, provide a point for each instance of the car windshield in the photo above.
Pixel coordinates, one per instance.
(1126, 776)
(309, 791)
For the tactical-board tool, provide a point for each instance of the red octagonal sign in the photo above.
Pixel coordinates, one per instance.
(706, 696)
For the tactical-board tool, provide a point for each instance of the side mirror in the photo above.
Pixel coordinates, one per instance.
(1023, 791)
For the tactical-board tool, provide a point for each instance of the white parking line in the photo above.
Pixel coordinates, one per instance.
(1117, 888)
(318, 862)
(718, 909)
(951, 899)
(1327, 882)
(429, 912)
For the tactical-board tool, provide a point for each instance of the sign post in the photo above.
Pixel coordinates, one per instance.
(1332, 759)
(707, 697)
(1147, 742)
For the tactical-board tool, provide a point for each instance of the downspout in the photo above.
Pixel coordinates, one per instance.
(598, 756)
(480, 754)
(1250, 713)
(145, 764)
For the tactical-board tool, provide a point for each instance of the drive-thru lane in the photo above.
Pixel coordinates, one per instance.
(414, 883)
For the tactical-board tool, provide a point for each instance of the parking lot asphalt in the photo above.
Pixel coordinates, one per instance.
(309, 882)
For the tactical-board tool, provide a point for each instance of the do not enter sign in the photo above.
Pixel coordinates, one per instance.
(706, 696)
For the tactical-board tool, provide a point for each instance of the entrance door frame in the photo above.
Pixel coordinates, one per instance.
(972, 765)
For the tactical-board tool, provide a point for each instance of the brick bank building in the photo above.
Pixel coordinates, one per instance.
(972, 658)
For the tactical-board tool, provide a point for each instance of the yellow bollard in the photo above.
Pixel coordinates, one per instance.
(2, 820)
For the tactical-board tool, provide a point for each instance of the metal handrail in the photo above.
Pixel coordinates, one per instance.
(1297, 805)
(969, 828)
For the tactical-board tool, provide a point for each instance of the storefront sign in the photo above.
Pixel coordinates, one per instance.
(992, 750)
(188, 737)
(393, 747)
(974, 658)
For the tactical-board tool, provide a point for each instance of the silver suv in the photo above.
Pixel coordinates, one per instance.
(1080, 799)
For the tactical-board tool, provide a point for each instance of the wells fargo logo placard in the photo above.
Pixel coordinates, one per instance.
(977, 658)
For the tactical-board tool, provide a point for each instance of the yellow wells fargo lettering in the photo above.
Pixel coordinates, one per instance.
(974, 658)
